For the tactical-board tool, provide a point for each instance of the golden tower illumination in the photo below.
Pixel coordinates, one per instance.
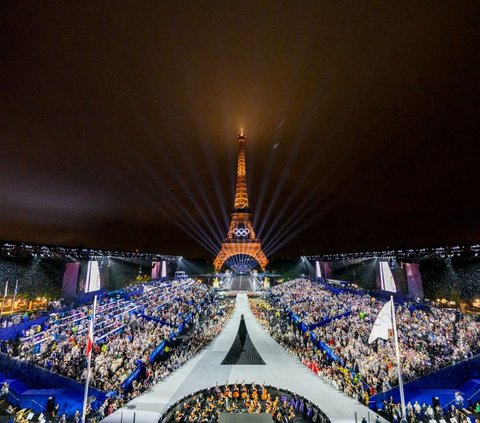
(241, 239)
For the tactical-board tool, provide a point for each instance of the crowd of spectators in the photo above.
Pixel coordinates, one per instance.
(424, 412)
(129, 327)
(206, 326)
(127, 330)
(15, 319)
(172, 304)
(429, 338)
(311, 302)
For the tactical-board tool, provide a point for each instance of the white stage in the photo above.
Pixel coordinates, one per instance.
(203, 371)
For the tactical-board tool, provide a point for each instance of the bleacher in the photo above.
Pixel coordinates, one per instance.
(31, 385)
(439, 380)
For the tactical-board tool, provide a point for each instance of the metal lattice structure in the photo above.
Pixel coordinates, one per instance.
(241, 195)
(241, 239)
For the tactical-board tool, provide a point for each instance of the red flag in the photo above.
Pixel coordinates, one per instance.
(89, 342)
(90, 335)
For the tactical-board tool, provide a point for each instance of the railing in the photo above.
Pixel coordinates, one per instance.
(13, 399)
(40, 377)
(468, 398)
(452, 376)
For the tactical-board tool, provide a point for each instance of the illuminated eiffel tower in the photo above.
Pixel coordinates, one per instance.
(241, 240)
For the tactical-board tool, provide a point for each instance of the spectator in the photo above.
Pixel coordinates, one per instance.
(5, 390)
(459, 399)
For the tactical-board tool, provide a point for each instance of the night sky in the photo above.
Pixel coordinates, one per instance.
(119, 123)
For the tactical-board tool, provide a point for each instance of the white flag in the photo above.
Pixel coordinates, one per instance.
(382, 324)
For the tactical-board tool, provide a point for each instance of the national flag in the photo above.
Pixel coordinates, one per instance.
(383, 323)
(90, 338)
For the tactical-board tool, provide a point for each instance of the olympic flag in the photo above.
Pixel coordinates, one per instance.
(383, 323)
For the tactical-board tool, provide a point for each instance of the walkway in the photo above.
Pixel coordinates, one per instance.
(241, 283)
(204, 370)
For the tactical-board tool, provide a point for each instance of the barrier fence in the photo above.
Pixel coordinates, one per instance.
(15, 331)
(40, 378)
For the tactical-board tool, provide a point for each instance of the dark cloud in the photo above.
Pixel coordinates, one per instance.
(118, 123)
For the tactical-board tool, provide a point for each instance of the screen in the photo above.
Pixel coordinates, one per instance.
(70, 279)
(387, 282)
(414, 280)
(92, 282)
(156, 269)
(164, 269)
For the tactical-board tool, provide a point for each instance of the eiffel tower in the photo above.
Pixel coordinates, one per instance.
(241, 239)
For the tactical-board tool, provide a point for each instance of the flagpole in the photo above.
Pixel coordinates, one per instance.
(14, 295)
(4, 296)
(89, 360)
(397, 352)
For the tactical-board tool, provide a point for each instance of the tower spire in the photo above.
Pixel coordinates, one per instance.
(241, 196)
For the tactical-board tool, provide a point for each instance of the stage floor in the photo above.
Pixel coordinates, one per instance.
(245, 418)
(203, 371)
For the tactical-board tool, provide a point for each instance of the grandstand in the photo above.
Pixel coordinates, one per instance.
(136, 328)
(153, 345)
(160, 338)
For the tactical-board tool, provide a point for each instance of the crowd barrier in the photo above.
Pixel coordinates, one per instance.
(139, 371)
(87, 297)
(324, 347)
(102, 339)
(156, 319)
(381, 295)
(451, 377)
(157, 351)
(15, 331)
(129, 295)
(189, 318)
(39, 378)
(329, 320)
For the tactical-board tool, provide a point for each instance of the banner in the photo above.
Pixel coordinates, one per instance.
(414, 280)
(92, 282)
(163, 273)
(156, 269)
(387, 282)
(70, 280)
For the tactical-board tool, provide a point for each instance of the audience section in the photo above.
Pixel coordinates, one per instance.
(328, 328)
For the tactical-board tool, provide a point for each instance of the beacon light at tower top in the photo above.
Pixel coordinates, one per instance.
(241, 249)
